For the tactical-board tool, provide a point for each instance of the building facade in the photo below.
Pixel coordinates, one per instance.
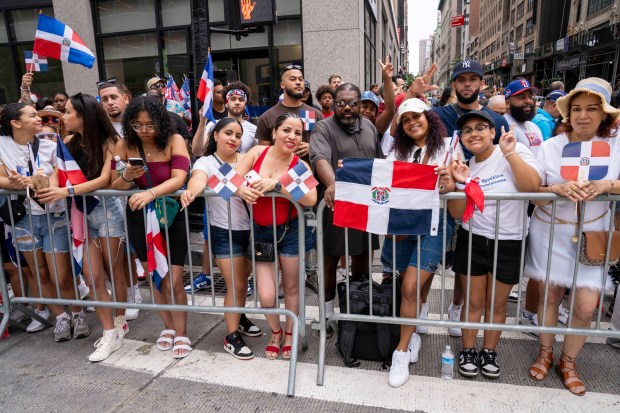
(135, 39)
(449, 48)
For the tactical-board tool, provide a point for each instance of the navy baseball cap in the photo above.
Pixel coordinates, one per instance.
(518, 86)
(555, 95)
(467, 66)
(368, 95)
(481, 114)
(306, 84)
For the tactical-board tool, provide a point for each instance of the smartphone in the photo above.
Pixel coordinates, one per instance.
(252, 177)
(136, 161)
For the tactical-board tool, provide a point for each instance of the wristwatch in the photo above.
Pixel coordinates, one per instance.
(71, 191)
(278, 186)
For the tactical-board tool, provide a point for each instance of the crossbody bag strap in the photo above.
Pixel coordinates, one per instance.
(459, 111)
(149, 181)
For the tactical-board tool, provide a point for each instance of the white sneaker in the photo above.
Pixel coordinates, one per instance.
(132, 298)
(121, 326)
(341, 275)
(423, 316)
(10, 291)
(106, 345)
(35, 325)
(399, 372)
(414, 347)
(529, 320)
(454, 314)
(562, 315)
(83, 290)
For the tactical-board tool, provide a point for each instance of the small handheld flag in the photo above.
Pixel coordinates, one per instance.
(585, 161)
(298, 181)
(172, 90)
(155, 247)
(55, 39)
(34, 63)
(185, 94)
(225, 181)
(205, 89)
(308, 117)
(454, 143)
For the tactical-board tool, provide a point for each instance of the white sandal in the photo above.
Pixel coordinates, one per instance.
(184, 346)
(165, 340)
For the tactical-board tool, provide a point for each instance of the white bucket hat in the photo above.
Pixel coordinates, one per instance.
(595, 86)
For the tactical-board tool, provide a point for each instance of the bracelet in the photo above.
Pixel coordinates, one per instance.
(153, 193)
(549, 188)
(28, 89)
(125, 179)
(510, 153)
(460, 186)
(612, 187)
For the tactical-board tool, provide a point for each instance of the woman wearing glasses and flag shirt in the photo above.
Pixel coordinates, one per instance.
(591, 124)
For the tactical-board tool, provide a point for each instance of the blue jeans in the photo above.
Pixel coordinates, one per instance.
(221, 248)
(100, 225)
(289, 244)
(40, 231)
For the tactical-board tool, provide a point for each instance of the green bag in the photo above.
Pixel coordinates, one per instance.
(171, 206)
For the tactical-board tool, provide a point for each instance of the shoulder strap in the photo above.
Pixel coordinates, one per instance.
(149, 181)
(35, 153)
(346, 338)
(459, 111)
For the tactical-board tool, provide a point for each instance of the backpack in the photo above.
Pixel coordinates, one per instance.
(365, 340)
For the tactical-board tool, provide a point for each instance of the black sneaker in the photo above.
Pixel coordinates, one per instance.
(468, 362)
(234, 344)
(312, 282)
(488, 363)
(248, 328)
(329, 332)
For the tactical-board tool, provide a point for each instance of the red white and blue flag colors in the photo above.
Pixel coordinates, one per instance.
(155, 247)
(298, 181)
(387, 197)
(172, 90)
(34, 63)
(205, 89)
(185, 95)
(55, 39)
(585, 161)
(225, 181)
(308, 117)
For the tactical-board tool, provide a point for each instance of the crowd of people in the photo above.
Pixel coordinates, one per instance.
(508, 144)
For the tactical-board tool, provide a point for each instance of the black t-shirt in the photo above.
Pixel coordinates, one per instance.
(179, 126)
(220, 115)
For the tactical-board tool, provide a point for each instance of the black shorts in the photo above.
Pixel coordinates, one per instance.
(334, 238)
(508, 257)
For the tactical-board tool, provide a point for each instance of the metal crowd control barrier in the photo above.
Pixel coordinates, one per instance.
(321, 325)
(298, 321)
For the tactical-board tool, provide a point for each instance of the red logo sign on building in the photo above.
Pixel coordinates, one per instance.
(457, 21)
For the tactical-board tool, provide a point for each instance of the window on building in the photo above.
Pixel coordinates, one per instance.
(579, 7)
(595, 6)
(529, 47)
(370, 52)
(520, 10)
(519, 32)
(530, 5)
(121, 15)
(529, 26)
(512, 17)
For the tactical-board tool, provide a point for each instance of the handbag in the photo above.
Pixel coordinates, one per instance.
(594, 247)
(166, 203)
(263, 251)
(18, 209)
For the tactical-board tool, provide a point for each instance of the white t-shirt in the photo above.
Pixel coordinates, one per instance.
(118, 126)
(387, 141)
(495, 176)
(439, 157)
(528, 133)
(248, 140)
(15, 157)
(218, 208)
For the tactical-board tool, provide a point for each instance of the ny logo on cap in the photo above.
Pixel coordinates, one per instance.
(466, 63)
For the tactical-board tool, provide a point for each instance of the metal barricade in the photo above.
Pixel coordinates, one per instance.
(525, 198)
(298, 321)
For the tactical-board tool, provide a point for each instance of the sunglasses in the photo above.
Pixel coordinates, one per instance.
(110, 80)
(52, 136)
(159, 85)
(289, 67)
(49, 119)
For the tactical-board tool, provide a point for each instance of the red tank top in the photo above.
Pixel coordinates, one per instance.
(262, 210)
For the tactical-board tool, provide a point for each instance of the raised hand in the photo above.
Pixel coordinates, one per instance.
(386, 69)
(422, 84)
(460, 170)
(508, 141)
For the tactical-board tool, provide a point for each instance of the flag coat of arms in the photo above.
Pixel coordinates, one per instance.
(155, 247)
(585, 161)
(225, 181)
(205, 89)
(308, 117)
(55, 39)
(34, 63)
(387, 197)
(298, 181)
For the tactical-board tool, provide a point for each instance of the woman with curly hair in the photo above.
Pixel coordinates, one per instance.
(419, 139)
(148, 131)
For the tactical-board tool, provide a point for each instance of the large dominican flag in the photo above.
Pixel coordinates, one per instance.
(155, 247)
(205, 89)
(585, 161)
(55, 39)
(298, 181)
(387, 197)
(225, 181)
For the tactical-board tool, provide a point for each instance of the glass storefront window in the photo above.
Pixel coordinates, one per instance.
(216, 11)
(3, 36)
(220, 41)
(176, 61)
(288, 7)
(132, 59)
(176, 12)
(24, 22)
(253, 40)
(125, 15)
(9, 86)
(287, 32)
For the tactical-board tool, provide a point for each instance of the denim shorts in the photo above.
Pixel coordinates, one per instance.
(220, 247)
(407, 249)
(108, 227)
(41, 231)
(289, 245)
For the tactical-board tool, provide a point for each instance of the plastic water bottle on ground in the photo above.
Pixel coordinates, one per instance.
(120, 165)
(447, 364)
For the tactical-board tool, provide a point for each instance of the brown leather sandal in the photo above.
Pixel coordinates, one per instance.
(569, 375)
(540, 368)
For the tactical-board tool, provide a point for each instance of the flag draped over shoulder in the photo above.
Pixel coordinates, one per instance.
(55, 39)
(155, 247)
(387, 197)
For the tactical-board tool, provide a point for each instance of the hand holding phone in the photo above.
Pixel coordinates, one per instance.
(252, 177)
(136, 161)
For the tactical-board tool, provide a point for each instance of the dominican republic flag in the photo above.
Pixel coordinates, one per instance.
(205, 90)
(34, 63)
(309, 119)
(298, 181)
(225, 181)
(185, 95)
(387, 197)
(155, 247)
(585, 161)
(57, 40)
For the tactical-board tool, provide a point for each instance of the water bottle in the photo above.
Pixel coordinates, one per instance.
(447, 364)
(120, 165)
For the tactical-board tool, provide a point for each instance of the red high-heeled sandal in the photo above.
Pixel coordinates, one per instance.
(274, 350)
(286, 350)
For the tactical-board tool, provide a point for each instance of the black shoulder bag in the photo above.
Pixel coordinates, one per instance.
(18, 210)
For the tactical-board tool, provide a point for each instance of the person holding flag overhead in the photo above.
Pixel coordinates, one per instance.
(86, 167)
(268, 165)
(55, 39)
(579, 164)
(158, 164)
(22, 155)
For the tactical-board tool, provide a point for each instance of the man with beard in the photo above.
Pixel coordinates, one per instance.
(114, 101)
(344, 135)
(219, 106)
(292, 82)
(520, 111)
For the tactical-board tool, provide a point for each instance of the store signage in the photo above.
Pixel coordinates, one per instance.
(457, 21)
(519, 56)
(569, 63)
(257, 12)
(373, 7)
